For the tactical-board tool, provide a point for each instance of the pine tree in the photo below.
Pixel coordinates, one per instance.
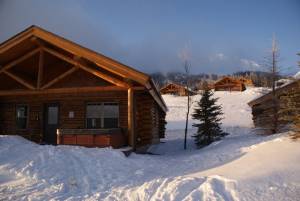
(208, 113)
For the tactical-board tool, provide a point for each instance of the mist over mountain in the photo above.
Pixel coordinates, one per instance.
(259, 78)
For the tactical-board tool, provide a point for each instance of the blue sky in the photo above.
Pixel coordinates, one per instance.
(217, 36)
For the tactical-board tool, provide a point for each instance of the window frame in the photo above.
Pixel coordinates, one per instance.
(27, 117)
(102, 113)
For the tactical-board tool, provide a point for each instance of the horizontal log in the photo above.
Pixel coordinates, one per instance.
(64, 90)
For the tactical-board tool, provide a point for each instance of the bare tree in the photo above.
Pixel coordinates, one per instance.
(187, 67)
(272, 64)
(185, 56)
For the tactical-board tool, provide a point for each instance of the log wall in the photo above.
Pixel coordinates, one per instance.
(67, 102)
(230, 87)
(175, 90)
(150, 120)
(287, 110)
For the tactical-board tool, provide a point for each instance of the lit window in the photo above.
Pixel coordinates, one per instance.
(21, 116)
(102, 115)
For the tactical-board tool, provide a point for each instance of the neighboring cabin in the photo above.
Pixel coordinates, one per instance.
(246, 81)
(54, 91)
(176, 89)
(288, 99)
(229, 84)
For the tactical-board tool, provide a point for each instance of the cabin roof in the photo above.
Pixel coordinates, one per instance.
(279, 90)
(22, 42)
(177, 85)
(228, 78)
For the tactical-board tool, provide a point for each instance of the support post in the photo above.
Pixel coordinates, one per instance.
(41, 69)
(131, 134)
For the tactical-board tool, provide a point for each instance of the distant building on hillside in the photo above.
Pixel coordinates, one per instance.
(202, 84)
(288, 110)
(246, 81)
(229, 84)
(176, 89)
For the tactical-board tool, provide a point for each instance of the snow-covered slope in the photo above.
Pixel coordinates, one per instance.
(243, 166)
(297, 75)
(235, 108)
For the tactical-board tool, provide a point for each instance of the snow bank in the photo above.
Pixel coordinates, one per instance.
(240, 167)
(181, 189)
(63, 167)
(31, 171)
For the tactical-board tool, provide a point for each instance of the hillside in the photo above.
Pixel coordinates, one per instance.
(243, 166)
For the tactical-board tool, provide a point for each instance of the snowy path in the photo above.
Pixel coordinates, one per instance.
(243, 166)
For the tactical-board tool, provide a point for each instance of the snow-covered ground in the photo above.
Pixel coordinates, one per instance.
(242, 166)
(297, 75)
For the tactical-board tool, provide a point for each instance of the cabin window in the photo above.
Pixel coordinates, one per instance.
(102, 115)
(21, 116)
(110, 115)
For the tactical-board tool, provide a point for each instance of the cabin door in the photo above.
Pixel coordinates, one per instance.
(51, 123)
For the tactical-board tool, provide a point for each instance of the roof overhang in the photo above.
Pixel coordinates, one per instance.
(279, 91)
(100, 60)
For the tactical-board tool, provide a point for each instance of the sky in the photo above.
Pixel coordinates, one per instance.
(215, 36)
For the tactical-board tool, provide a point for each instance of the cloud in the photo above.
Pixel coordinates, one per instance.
(160, 50)
(217, 57)
(185, 53)
(249, 64)
(70, 19)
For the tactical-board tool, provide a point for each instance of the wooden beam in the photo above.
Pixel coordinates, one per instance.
(20, 80)
(41, 69)
(62, 90)
(105, 77)
(157, 97)
(60, 77)
(101, 60)
(85, 68)
(37, 41)
(20, 59)
(131, 133)
(15, 40)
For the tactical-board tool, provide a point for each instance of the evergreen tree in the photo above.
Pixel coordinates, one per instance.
(208, 113)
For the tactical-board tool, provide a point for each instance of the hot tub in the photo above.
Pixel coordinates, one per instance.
(92, 137)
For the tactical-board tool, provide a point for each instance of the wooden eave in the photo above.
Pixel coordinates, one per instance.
(176, 85)
(232, 80)
(279, 91)
(157, 96)
(100, 60)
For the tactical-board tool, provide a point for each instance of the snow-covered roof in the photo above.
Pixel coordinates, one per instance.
(279, 90)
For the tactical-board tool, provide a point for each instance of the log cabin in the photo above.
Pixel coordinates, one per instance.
(229, 84)
(176, 89)
(246, 81)
(285, 115)
(54, 91)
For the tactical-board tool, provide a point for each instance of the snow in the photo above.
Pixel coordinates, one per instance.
(237, 113)
(297, 75)
(242, 166)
